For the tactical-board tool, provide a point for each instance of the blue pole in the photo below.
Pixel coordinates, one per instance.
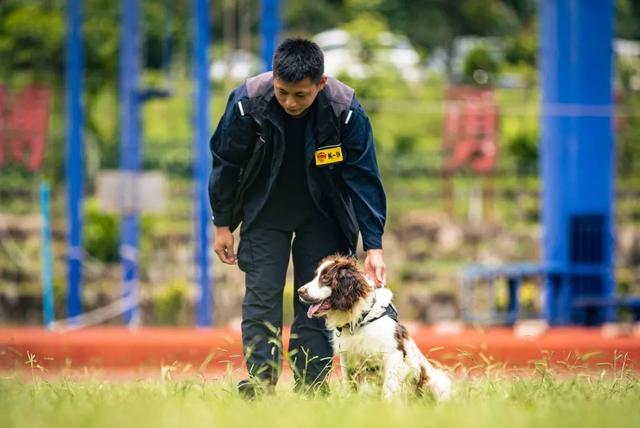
(130, 151)
(202, 159)
(269, 30)
(47, 258)
(577, 153)
(74, 168)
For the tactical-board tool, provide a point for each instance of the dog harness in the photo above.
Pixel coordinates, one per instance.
(389, 311)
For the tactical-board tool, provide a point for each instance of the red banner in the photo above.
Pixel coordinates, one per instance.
(470, 134)
(24, 120)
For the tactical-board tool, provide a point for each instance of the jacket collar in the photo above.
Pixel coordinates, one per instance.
(326, 129)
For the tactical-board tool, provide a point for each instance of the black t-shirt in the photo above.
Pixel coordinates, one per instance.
(290, 199)
(292, 172)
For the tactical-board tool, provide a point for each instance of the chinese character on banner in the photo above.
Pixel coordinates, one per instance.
(24, 126)
(470, 134)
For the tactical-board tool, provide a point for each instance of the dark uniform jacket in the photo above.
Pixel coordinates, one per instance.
(248, 147)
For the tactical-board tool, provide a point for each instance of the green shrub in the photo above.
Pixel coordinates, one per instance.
(170, 301)
(101, 233)
(523, 148)
(480, 59)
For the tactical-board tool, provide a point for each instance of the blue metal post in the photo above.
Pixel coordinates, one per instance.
(269, 30)
(202, 158)
(577, 153)
(130, 151)
(47, 258)
(74, 155)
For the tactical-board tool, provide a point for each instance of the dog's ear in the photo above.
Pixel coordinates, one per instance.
(348, 287)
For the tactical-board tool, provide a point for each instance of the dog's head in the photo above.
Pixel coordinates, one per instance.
(338, 285)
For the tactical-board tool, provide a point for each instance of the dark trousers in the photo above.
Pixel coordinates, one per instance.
(263, 255)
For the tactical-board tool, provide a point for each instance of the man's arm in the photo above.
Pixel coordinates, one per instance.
(230, 146)
(362, 177)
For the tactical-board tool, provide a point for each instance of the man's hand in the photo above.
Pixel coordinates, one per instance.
(223, 245)
(374, 267)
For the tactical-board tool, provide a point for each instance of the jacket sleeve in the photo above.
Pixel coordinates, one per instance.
(230, 146)
(362, 177)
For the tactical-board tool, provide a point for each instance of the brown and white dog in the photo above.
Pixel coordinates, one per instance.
(371, 344)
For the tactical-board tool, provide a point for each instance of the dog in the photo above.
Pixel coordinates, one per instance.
(367, 337)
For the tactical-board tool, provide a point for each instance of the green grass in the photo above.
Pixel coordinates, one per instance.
(536, 400)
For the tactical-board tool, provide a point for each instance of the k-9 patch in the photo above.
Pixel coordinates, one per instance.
(329, 155)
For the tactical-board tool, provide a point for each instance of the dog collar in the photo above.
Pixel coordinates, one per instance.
(389, 311)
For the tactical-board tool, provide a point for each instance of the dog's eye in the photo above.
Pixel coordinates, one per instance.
(324, 278)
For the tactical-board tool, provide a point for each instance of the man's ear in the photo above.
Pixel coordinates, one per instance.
(323, 82)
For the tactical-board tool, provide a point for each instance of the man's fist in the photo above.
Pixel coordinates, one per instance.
(223, 245)
(374, 267)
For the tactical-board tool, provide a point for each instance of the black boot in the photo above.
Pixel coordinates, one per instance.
(250, 389)
(246, 389)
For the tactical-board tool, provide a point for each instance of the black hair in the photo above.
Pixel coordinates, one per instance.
(297, 59)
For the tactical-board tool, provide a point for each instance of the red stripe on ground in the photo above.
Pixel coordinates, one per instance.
(121, 348)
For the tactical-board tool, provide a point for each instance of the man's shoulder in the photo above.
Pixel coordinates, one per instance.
(259, 85)
(253, 86)
(339, 92)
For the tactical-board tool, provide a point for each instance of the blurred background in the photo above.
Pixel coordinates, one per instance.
(452, 90)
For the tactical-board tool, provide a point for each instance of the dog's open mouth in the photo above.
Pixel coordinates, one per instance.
(318, 308)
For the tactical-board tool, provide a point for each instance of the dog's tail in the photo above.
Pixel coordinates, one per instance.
(435, 379)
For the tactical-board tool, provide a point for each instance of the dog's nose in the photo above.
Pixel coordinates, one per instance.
(302, 292)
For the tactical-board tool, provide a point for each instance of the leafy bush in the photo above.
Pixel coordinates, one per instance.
(522, 48)
(523, 148)
(628, 123)
(171, 157)
(101, 233)
(170, 301)
(480, 67)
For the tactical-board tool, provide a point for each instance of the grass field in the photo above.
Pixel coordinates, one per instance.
(536, 399)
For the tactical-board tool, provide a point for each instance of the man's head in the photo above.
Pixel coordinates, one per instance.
(298, 75)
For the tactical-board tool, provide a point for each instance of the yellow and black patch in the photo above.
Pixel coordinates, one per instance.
(328, 156)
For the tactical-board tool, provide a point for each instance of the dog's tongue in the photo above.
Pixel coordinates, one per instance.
(313, 309)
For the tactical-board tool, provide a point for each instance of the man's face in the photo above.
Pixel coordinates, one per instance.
(295, 98)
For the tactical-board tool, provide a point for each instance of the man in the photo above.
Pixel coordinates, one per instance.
(293, 158)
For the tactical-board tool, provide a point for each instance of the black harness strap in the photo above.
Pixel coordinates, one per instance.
(389, 311)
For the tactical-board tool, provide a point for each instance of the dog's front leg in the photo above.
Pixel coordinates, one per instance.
(393, 374)
(344, 372)
(347, 373)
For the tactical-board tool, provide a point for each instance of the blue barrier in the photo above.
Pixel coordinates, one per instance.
(560, 304)
(514, 274)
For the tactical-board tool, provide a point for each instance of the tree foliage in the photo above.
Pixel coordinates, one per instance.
(33, 32)
(628, 19)
(31, 39)
(433, 23)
